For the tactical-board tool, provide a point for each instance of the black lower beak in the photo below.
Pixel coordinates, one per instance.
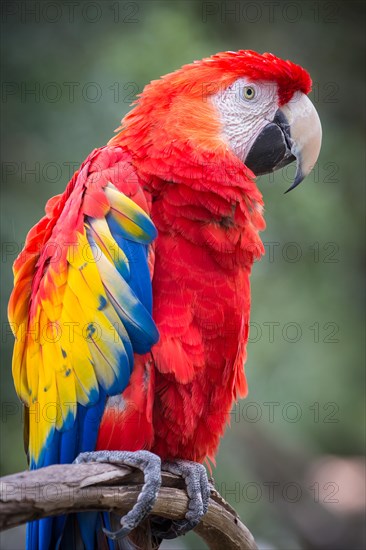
(294, 134)
(272, 148)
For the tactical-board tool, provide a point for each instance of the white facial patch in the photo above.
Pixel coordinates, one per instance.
(243, 118)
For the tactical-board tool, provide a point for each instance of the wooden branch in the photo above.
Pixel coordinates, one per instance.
(97, 486)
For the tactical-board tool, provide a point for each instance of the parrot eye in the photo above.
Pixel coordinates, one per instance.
(249, 92)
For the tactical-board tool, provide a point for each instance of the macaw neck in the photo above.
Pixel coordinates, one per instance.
(209, 196)
(201, 165)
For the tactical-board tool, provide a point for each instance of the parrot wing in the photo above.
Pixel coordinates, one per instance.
(81, 306)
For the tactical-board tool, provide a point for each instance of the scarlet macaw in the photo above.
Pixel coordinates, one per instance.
(131, 299)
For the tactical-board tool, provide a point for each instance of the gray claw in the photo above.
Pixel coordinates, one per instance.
(198, 490)
(150, 465)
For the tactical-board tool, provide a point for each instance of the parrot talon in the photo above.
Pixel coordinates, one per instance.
(150, 465)
(198, 490)
(115, 535)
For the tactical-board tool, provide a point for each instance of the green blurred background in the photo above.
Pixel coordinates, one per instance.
(291, 462)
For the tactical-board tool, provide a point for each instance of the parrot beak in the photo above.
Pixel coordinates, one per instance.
(294, 134)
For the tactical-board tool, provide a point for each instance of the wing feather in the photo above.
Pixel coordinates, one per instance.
(81, 305)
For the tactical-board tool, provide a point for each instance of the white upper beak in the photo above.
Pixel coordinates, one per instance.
(305, 134)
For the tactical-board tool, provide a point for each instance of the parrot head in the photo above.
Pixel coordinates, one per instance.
(243, 104)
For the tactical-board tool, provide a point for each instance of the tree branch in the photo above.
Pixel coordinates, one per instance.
(96, 486)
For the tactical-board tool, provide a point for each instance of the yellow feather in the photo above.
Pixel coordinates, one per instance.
(76, 347)
(65, 382)
(126, 212)
(32, 359)
(101, 234)
(83, 276)
(128, 225)
(120, 201)
(19, 369)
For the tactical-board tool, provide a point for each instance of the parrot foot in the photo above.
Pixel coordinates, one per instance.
(150, 465)
(198, 490)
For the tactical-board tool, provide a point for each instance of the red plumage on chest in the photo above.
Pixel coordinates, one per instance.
(180, 396)
(204, 254)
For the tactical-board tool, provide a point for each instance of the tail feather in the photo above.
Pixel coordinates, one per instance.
(89, 524)
(84, 532)
(71, 536)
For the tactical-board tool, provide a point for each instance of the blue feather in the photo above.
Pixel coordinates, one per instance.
(89, 420)
(68, 447)
(87, 524)
(32, 535)
(45, 533)
(136, 253)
